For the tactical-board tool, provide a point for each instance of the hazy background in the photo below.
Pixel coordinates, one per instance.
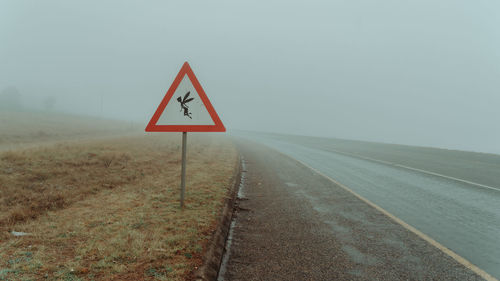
(412, 72)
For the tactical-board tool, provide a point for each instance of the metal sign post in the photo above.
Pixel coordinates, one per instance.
(183, 170)
(190, 111)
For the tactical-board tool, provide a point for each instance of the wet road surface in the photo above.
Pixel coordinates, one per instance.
(294, 224)
(463, 217)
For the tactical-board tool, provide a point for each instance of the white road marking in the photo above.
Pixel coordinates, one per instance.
(420, 234)
(414, 169)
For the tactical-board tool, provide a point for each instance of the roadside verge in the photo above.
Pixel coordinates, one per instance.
(215, 250)
(109, 209)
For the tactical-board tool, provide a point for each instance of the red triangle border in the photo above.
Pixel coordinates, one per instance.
(217, 127)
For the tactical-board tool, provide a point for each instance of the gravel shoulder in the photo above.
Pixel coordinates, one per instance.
(297, 225)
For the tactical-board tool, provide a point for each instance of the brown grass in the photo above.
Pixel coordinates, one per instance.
(109, 210)
(26, 129)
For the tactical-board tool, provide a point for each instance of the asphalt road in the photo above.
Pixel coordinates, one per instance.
(479, 168)
(462, 215)
(295, 224)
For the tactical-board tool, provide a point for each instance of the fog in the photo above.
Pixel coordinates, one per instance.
(411, 72)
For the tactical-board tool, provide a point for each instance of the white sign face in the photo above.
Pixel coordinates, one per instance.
(185, 107)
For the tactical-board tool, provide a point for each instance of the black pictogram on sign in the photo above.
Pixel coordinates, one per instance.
(183, 104)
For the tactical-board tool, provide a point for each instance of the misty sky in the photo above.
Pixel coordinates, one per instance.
(412, 72)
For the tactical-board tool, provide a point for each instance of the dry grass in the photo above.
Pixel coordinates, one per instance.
(24, 129)
(109, 210)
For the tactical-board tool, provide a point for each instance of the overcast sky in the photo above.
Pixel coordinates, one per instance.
(412, 72)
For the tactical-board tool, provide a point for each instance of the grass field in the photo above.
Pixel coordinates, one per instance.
(28, 128)
(108, 209)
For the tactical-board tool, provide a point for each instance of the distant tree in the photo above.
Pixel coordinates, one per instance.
(10, 99)
(49, 103)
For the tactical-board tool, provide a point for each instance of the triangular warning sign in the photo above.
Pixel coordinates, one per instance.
(185, 107)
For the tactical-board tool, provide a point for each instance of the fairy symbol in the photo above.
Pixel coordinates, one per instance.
(183, 102)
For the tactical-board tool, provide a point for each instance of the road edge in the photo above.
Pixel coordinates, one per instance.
(393, 164)
(212, 259)
(461, 260)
